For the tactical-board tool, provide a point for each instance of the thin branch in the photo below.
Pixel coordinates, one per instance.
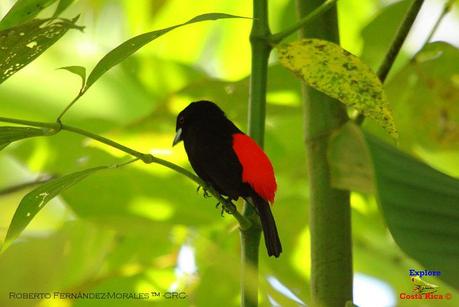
(82, 91)
(396, 45)
(446, 9)
(30, 123)
(146, 158)
(278, 37)
(400, 37)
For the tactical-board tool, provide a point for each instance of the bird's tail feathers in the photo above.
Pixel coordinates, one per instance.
(272, 241)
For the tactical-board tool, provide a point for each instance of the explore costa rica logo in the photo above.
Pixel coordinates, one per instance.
(423, 290)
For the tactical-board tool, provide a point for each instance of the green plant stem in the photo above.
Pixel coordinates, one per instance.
(54, 126)
(82, 91)
(329, 208)
(399, 38)
(278, 37)
(396, 45)
(146, 158)
(250, 238)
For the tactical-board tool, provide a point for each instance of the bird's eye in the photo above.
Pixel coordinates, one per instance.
(181, 120)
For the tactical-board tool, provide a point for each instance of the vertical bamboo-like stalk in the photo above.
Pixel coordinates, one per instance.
(329, 212)
(250, 238)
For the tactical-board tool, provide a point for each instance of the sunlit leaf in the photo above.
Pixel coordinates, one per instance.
(336, 72)
(22, 44)
(62, 6)
(22, 11)
(420, 204)
(11, 134)
(34, 201)
(130, 46)
(79, 71)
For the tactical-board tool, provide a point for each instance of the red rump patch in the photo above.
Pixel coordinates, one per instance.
(257, 170)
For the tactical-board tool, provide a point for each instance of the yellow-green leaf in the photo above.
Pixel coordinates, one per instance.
(12, 134)
(350, 161)
(35, 200)
(334, 71)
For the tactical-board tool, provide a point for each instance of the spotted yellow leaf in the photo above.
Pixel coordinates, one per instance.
(339, 74)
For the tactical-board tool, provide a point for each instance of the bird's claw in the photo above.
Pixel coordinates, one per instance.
(222, 208)
(205, 193)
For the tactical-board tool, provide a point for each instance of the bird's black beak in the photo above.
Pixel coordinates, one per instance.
(178, 137)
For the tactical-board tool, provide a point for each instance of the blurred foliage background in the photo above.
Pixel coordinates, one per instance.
(144, 228)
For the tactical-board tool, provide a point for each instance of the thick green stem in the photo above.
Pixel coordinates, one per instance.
(250, 238)
(329, 208)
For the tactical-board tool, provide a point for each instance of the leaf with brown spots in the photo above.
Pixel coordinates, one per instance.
(339, 74)
(22, 44)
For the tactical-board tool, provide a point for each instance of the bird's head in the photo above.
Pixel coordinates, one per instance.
(197, 112)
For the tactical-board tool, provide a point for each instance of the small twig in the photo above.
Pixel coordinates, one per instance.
(395, 46)
(275, 39)
(400, 37)
(446, 9)
(82, 91)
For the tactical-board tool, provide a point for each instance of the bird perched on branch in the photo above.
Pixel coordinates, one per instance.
(229, 161)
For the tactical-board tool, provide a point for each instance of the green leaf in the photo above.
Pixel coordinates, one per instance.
(62, 6)
(79, 71)
(421, 208)
(22, 44)
(130, 46)
(420, 204)
(23, 11)
(339, 74)
(11, 134)
(35, 200)
(350, 164)
(426, 98)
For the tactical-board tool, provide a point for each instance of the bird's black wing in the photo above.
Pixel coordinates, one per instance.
(214, 160)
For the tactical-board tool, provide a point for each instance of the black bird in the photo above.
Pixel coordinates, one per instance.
(230, 161)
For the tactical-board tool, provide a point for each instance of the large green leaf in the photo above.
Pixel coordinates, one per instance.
(11, 134)
(349, 159)
(35, 200)
(421, 208)
(426, 98)
(420, 204)
(334, 71)
(22, 44)
(62, 6)
(130, 46)
(22, 11)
